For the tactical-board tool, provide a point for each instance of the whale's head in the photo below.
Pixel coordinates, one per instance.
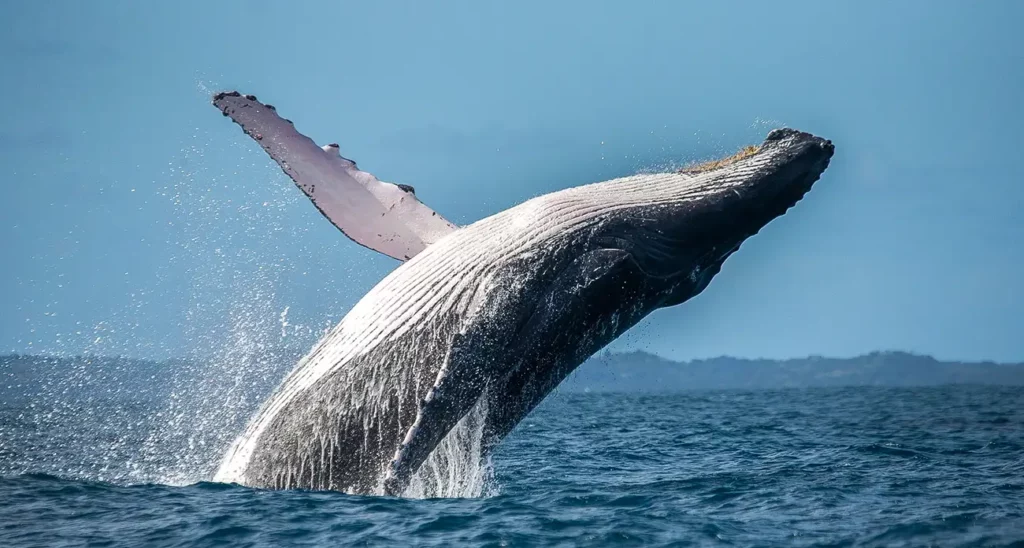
(687, 225)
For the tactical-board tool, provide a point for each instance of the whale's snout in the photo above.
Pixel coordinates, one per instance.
(799, 136)
(792, 162)
(756, 186)
(789, 145)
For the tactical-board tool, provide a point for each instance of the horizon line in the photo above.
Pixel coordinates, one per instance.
(602, 354)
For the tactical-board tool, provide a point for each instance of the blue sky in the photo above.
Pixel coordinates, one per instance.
(136, 220)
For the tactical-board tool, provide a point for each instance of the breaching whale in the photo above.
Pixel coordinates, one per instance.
(491, 316)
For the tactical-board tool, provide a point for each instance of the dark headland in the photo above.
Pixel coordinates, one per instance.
(644, 372)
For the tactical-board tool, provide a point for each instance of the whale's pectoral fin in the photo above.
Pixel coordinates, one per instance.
(580, 309)
(382, 216)
(459, 386)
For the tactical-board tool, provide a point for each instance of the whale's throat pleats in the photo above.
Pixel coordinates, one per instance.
(382, 216)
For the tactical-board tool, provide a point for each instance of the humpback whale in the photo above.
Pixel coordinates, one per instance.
(492, 316)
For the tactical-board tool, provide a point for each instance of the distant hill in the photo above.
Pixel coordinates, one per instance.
(23, 377)
(643, 372)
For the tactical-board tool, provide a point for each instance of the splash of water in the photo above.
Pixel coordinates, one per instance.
(212, 399)
(234, 326)
(458, 466)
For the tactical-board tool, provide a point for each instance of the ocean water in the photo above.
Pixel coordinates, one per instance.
(817, 467)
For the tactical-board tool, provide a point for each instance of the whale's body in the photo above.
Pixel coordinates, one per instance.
(492, 316)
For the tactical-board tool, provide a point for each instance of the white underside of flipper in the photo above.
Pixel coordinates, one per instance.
(386, 217)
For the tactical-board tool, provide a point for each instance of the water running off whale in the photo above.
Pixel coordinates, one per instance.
(439, 361)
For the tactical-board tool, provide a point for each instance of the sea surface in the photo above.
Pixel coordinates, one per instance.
(803, 467)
